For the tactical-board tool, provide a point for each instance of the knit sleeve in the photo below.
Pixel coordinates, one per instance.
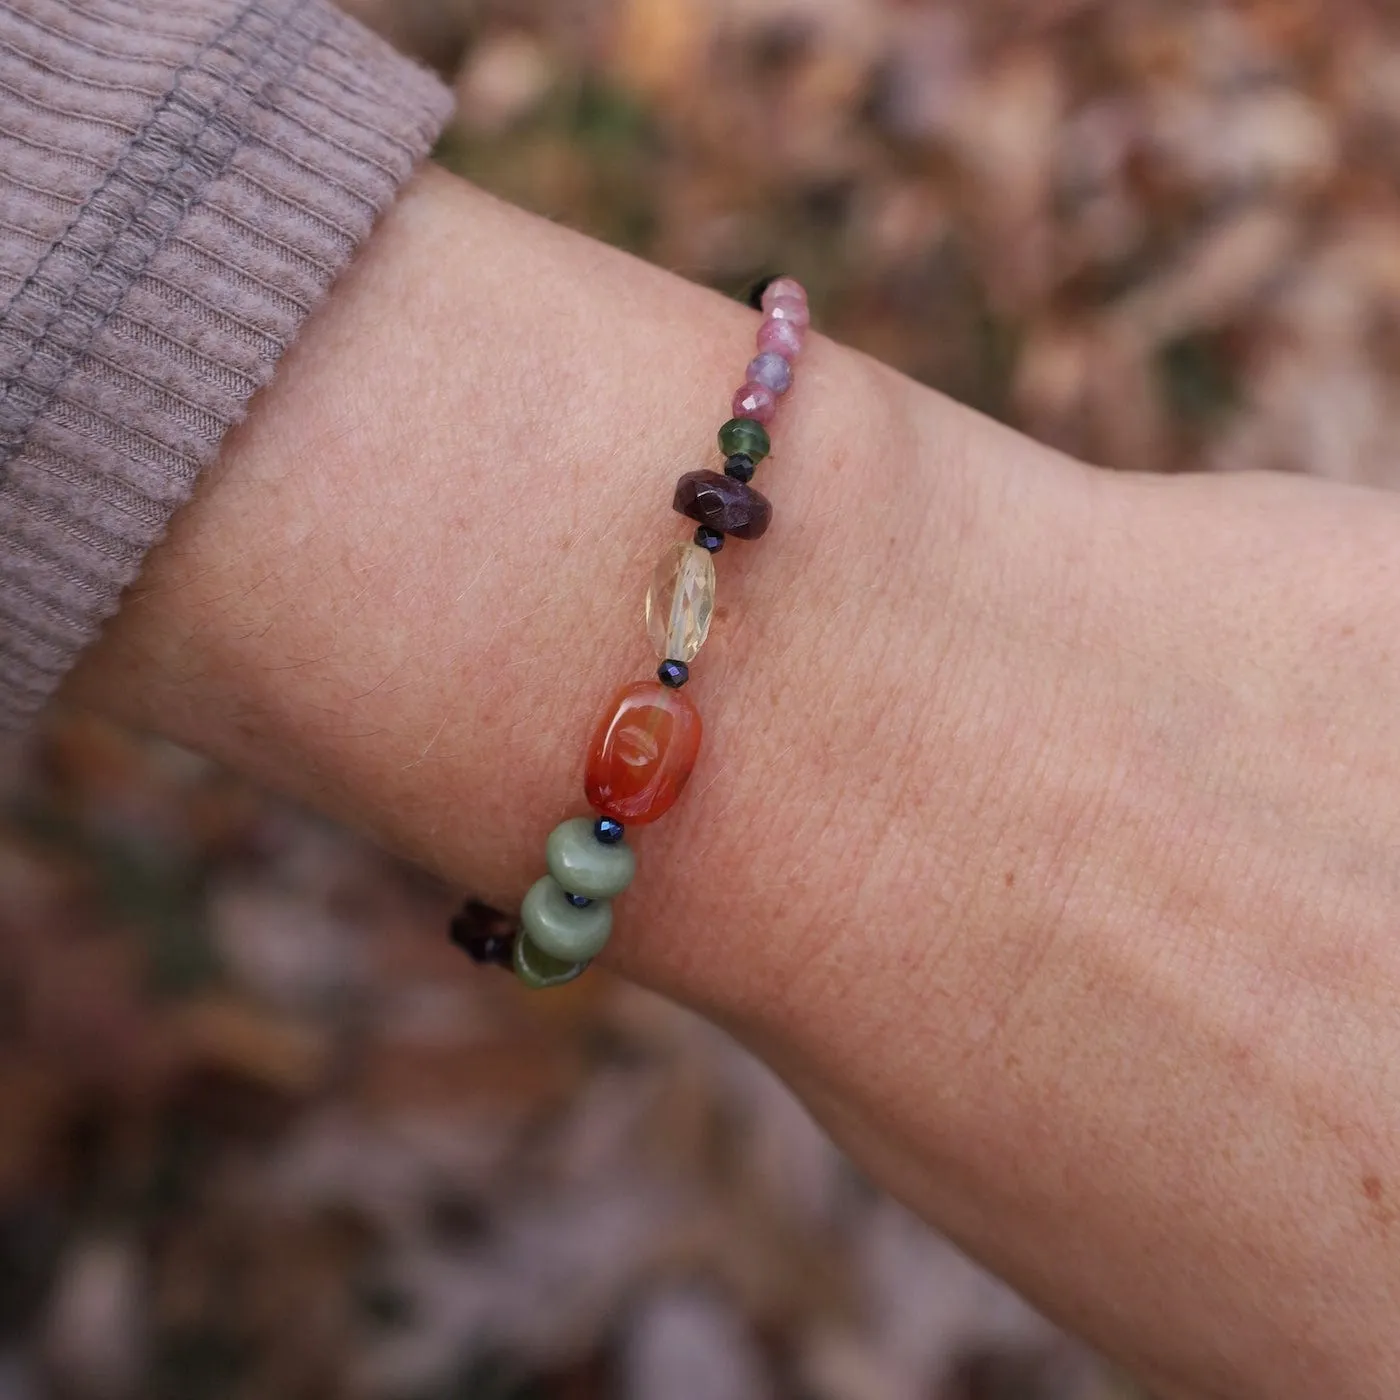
(180, 183)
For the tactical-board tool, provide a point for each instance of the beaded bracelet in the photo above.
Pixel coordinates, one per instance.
(645, 746)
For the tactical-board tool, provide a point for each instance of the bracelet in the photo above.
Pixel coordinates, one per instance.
(644, 748)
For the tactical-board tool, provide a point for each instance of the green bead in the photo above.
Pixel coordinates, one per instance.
(560, 929)
(538, 970)
(747, 436)
(582, 864)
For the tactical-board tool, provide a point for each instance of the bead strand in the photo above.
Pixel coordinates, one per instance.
(645, 746)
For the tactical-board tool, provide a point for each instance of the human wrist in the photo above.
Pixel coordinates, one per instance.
(414, 577)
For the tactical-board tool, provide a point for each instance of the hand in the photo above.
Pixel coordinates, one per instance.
(1045, 832)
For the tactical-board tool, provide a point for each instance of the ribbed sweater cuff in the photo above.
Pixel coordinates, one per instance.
(179, 186)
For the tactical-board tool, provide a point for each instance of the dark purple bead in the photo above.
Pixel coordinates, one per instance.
(739, 467)
(673, 674)
(484, 934)
(723, 504)
(579, 901)
(709, 539)
(608, 831)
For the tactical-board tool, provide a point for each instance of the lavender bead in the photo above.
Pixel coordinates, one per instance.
(772, 371)
(781, 337)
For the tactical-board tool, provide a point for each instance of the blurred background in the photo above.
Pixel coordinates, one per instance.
(264, 1134)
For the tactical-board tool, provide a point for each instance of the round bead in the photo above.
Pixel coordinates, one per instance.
(561, 929)
(673, 674)
(780, 288)
(755, 400)
(580, 862)
(608, 831)
(538, 971)
(724, 504)
(789, 309)
(739, 467)
(579, 901)
(642, 753)
(781, 338)
(681, 601)
(746, 436)
(771, 371)
(708, 539)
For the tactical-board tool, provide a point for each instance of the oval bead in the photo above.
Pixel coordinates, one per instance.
(582, 864)
(723, 503)
(681, 601)
(538, 971)
(642, 752)
(560, 929)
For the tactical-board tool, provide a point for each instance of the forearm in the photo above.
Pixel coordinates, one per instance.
(1043, 833)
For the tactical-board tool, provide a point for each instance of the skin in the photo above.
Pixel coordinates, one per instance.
(1045, 832)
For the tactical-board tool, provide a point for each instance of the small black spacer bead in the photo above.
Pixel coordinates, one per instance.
(706, 538)
(755, 297)
(740, 467)
(579, 901)
(608, 831)
(484, 934)
(673, 674)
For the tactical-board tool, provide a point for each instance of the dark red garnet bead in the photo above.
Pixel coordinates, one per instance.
(723, 503)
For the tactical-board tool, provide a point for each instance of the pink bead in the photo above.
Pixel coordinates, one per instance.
(756, 401)
(782, 338)
(788, 287)
(789, 309)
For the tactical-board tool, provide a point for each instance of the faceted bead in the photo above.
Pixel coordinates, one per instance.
(585, 865)
(561, 929)
(789, 309)
(673, 674)
(538, 971)
(755, 400)
(681, 600)
(746, 436)
(708, 539)
(642, 752)
(724, 504)
(771, 371)
(782, 287)
(782, 338)
(739, 467)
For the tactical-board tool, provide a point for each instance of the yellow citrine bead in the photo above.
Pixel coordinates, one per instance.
(680, 601)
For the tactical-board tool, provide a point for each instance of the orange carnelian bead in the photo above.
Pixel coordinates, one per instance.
(642, 753)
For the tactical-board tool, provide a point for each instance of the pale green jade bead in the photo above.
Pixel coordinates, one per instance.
(539, 971)
(584, 865)
(560, 929)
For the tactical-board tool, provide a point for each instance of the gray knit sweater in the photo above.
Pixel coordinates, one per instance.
(180, 183)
